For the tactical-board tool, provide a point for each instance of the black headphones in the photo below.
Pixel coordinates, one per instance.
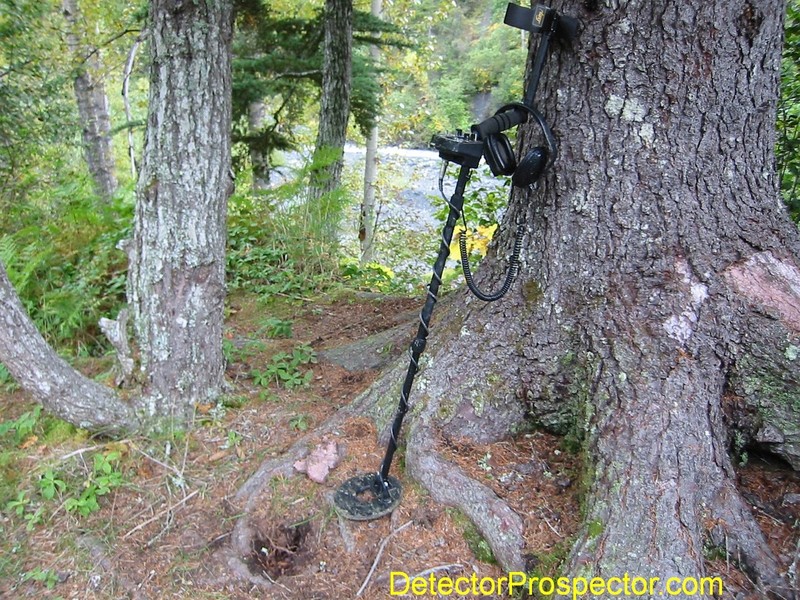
(500, 156)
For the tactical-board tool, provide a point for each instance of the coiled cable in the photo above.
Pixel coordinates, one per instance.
(511, 273)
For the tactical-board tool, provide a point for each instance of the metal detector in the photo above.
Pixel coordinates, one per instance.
(372, 495)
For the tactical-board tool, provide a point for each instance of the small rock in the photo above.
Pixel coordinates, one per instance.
(791, 499)
(320, 462)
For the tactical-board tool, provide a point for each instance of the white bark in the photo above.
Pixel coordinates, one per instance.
(90, 95)
(366, 232)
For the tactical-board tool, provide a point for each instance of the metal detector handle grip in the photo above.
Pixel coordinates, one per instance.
(500, 122)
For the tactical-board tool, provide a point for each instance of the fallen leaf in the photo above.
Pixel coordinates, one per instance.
(29, 442)
(217, 456)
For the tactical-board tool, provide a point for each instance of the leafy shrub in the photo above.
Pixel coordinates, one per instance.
(280, 242)
(67, 269)
(287, 369)
(372, 277)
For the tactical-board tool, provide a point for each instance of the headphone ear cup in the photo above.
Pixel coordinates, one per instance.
(531, 167)
(499, 155)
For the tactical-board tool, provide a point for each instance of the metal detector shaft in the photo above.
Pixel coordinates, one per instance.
(418, 345)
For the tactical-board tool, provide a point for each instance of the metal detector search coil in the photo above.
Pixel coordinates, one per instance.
(366, 497)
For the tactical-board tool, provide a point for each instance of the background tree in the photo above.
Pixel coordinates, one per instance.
(93, 110)
(366, 228)
(277, 69)
(276, 61)
(334, 111)
(33, 92)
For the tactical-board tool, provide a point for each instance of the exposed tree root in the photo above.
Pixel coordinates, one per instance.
(249, 494)
(448, 484)
(663, 483)
(738, 533)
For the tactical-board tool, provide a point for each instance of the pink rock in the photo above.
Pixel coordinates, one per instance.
(319, 463)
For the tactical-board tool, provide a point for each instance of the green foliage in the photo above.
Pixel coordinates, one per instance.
(278, 57)
(28, 494)
(18, 504)
(102, 479)
(22, 426)
(6, 380)
(280, 242)
(66, 267)
(287, 369)
(461, 53)
(484, 201)
(35, 106)
(50, 485)
(476, 542)
(276, 328)
(788, 146)
(299, 423)
(48, 577)
(372, 277)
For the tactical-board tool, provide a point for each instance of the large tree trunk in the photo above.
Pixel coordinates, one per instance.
(177, 263)
(660, 286)
(660, 276)
(92, 101)
(177, 258)
(335, 104)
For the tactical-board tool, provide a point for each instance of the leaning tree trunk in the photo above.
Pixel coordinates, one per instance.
(660, 284)
(177, 262)
(90, 95)
(41, 372)
(334, 109)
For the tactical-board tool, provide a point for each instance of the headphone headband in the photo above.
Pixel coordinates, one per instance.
(550, 139)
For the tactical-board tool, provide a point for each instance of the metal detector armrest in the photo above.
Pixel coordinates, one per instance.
(541, 19)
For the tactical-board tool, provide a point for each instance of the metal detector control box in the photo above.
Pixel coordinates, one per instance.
(459, 148)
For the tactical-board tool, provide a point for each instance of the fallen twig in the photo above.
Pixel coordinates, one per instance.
(160, 514)
(553, 529)
(378, 556)
(159, 463)
(427, 572)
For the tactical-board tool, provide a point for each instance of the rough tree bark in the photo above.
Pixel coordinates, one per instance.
(177, 260)
(176, 282)
(661, 277)
(49, 379)
(658, 305)
(334, 109)
(90, 95)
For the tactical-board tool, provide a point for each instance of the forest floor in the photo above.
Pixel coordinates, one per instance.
(161, 527)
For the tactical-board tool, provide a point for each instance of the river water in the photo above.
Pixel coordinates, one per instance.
(407, 199)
